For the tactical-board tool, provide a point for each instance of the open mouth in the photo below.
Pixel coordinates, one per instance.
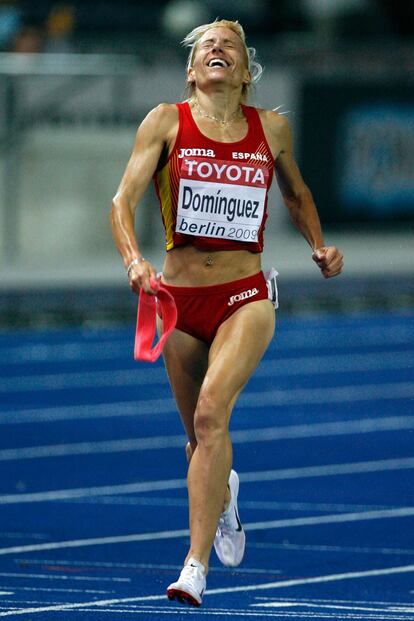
(218, 62)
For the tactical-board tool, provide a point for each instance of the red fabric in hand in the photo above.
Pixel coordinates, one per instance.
(147, 321)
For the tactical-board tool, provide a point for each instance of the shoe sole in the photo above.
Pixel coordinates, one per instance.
(182, 597)
(234, 477)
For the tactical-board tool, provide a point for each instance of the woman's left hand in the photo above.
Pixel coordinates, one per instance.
(329, 260)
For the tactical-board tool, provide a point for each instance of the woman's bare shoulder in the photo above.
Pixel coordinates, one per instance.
(159, 123)
(274, 120)
(164, 114)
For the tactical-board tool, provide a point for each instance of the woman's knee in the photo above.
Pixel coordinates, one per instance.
(211, 417)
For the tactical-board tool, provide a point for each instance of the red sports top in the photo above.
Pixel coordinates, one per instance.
(213, 194)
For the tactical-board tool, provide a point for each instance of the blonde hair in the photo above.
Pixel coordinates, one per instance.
(195, 35)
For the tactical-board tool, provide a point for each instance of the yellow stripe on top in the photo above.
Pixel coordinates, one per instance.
(175, 170)
(163, 182)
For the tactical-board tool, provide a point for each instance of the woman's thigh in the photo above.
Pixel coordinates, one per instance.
(237, 349)
(223, 368)
(186, 361)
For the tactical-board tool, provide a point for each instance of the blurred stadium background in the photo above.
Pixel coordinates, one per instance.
(76, 79)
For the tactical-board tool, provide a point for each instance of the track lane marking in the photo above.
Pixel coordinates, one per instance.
(324, 470)
(318, 520)
(60, 577)
(250, 587)
(249, 400)
(244, 436)
(288, 366)
(315, 332)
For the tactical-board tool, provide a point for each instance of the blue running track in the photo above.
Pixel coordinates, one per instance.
(93, 497)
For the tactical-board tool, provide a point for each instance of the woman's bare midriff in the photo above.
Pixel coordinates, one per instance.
(187, 266)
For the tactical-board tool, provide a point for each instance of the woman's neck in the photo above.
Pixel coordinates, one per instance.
(223, 106)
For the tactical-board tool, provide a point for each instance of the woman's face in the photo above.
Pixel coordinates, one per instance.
(219, 57)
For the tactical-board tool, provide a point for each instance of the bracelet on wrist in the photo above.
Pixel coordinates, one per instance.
(134, 262)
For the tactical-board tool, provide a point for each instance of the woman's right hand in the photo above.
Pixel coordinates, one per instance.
(139, 277)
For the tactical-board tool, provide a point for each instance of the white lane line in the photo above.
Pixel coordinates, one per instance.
(60, 577)
(306, 365)
(96, 541)
(65, 352)
(150, 407)
(148, 612)
(93, 448)
(86, 379)
(114, 565)
(331, 519)
(267, 434)
(27, 535)
(326, 470)
(370, 573)
(318, 520)
(303, 336)
(342, 549)
(354, 575)
(154, 612)
(53, 590)
(270, 614)
(351, 608)
(318, 606)
(248, 400)
(85, 492)
(275, 505)
(332, 363)
(313, 600)
(335, 394)
(130, 378)
(158, 501)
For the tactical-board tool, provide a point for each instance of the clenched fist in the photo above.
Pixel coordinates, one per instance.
(329, 260)
(140, 276)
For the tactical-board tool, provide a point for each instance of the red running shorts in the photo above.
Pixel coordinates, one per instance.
(202, 310)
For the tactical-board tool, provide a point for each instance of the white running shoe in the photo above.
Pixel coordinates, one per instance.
(230, 539)
(191, 584)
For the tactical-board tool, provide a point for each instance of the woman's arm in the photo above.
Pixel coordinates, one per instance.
(299, 201)
(152, 138)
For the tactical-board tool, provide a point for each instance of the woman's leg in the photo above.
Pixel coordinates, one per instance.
(234, 354)
(186, 362)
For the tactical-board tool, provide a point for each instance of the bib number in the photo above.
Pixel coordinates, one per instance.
(221, 199)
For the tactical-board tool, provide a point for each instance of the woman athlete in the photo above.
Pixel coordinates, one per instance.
(212, 159)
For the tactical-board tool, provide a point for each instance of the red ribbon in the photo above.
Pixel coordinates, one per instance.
(147, 321)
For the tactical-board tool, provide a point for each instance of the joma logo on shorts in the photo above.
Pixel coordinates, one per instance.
(244, 295)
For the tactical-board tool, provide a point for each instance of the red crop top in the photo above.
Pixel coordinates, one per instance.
(213, 194)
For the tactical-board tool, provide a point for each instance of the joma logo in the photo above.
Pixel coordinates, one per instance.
(244, 295)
